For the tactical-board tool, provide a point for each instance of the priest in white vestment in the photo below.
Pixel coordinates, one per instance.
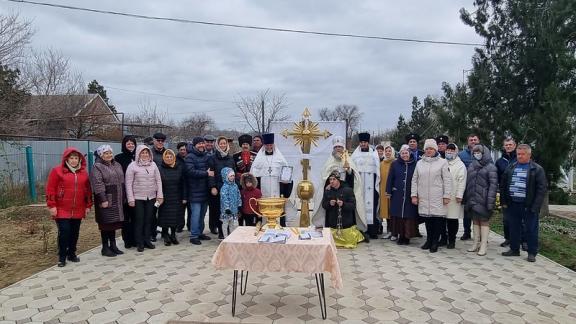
(267, 168)
(368, 165)
(349, 176)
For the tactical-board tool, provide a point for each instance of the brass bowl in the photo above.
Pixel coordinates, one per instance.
(271, 208)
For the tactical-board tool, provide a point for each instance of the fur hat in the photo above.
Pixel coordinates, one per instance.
(431, 143)
(413, 136)
(442, 139)
(244, 139)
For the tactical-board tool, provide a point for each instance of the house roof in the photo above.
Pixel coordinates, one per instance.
(61, 105)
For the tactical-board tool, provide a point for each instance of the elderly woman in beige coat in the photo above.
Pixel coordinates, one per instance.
(455, 208)
(431, 191)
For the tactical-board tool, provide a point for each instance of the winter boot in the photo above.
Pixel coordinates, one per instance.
(220, 231)
(166, 237)
(112, 239)
(106, 251)
(173, 236)
(484, 232)
(476, 233)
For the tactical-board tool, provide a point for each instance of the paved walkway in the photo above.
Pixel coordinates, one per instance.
(564, 211)
(383, 283)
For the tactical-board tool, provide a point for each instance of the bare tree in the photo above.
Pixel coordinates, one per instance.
(49, 72)
(260, 110)
(15, 35)
(196, 125)
(348, 113)
(148, 120)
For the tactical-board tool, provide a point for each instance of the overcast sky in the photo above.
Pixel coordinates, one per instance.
(221, 63)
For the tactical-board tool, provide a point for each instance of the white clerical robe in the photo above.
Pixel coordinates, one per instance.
(269, 168)
(368, 165)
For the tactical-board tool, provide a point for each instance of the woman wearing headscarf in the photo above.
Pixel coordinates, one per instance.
(175, 190)
(107, 181)
(384, 205)
(69, 198)
(143, 191)
(480, 196)
(431, 191)
(455, 207)
(222, 159)
(125, 158)
(403, 213)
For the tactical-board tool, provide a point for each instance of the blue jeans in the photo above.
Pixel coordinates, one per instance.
(197, 213)
(506, 223)
(518, 214)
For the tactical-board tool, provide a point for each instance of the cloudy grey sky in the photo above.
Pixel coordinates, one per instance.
(221, 63)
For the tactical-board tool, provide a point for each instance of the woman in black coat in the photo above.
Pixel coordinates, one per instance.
(125, 158)
(175, 189)
(398, 186)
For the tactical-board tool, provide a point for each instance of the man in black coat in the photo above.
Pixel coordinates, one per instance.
(522, 191)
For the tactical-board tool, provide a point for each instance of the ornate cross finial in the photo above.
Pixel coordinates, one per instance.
(306, 133)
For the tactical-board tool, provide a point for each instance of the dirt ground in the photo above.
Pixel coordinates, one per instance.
(28, 241)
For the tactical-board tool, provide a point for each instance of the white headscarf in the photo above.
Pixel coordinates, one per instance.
(104, 148)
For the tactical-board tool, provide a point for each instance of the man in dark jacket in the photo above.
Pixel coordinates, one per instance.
(442, 141)
(412, 140)
(200, 175)
(158, 148)
(508, 157)
(522, 191)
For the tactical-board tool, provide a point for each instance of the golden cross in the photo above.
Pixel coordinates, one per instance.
(306, 132)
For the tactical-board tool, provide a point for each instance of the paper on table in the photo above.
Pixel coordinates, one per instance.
(286, 174)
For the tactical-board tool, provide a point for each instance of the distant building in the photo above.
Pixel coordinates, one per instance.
(71, 116)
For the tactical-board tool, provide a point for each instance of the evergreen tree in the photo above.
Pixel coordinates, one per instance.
(95, 87)
(523, 81)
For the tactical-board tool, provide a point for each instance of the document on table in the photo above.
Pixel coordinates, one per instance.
(274, 236)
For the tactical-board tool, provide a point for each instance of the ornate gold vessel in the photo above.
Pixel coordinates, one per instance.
(271, 208)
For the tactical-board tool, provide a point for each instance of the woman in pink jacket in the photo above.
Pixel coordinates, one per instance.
(143, 191)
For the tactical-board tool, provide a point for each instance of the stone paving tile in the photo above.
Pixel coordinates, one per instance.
(383, 283)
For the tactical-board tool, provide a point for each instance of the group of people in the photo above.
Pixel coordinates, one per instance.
(438, 186)
(146, 187)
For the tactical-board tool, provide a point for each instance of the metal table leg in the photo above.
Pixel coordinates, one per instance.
(321, 293)
(243, 284)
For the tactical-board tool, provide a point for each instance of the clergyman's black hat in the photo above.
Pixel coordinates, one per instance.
(268, 138)
(364, 137)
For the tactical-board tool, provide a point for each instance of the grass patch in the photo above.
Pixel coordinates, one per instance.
(13, 195)
(557, 238)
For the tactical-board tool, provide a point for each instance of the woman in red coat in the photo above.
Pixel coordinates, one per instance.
(69, 198)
